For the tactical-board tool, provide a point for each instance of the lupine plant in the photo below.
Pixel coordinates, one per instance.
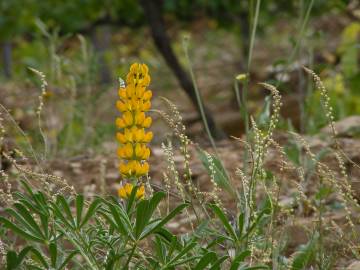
(50, 226)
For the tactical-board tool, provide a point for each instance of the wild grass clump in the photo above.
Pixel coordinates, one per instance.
(46, 224)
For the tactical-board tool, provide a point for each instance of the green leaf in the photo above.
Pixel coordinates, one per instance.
(255, 223)
(256, 267)
(11, 226)
(216, 265)
(67, 211)
(169, 238)
(153, 227)
(141, 217)
(120, 221)
(207, 259)
(241, 222)
(26, 215)
(39, 257)
(53, 254)
(91, 211)
(217, 240)
(238, 259)
(131, 199)
(67, 260)
(27, 187)
(24, 223)
(182, 253)
(301, 258)
(221, 177)
(183, 261)
(224, 220)
(154, 202)
(160, 249)
(144, 212)
(12, 260)
(79, 202)
(265, 114)
(58, 213)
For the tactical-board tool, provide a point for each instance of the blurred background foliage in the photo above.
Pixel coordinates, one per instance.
(83, 46)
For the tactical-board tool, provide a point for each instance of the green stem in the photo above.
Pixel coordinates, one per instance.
(198, 97)
(130, 256)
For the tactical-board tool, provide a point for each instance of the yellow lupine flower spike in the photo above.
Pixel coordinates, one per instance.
(133, 104)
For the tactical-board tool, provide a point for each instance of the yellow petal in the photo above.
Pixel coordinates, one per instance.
(144, 69)
(148, 137)
(122, 93)
(140, 192)
(140, 90)
(138, 135)
(146, 106)
(129, 137)
(130, 90)
(146, 153)
(129, 150)
(145, 168)
(147, 122)
(128, 118)
(147, 95)
(122, 193)
(121, 106)
(128, 189)
(134, 68)
(120, 123)
(139, 118)
(146, 80)
(138, 150)
(120, 152)
(123, 168)
(121, 137)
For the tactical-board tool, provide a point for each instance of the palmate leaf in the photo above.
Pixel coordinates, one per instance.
(62, 211)
(22, 233)
(23, 212)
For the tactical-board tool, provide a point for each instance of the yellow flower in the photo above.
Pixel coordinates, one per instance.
(133, 168)
(125, 191)
(134, 102)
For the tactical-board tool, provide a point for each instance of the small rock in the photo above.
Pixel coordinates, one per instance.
(296, 236)
(347, 127)
(354, 266)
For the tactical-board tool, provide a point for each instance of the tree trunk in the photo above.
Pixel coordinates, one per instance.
(6, 52)
(100, 38)
(153, 13)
